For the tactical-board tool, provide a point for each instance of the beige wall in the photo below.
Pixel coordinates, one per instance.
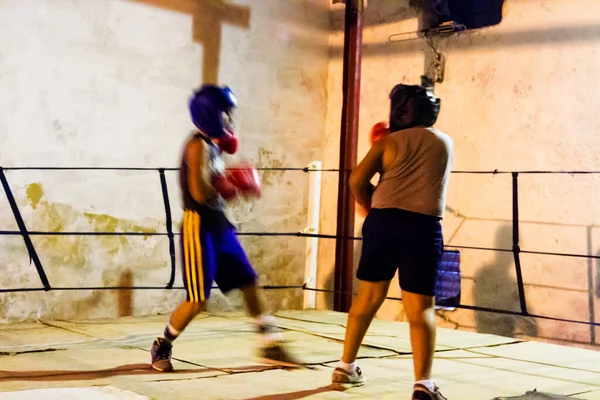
(105, 83)
(519, 96)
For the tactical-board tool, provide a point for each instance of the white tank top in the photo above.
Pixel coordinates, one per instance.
(418, 176)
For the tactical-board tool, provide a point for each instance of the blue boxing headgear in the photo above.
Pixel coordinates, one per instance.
(207, 106)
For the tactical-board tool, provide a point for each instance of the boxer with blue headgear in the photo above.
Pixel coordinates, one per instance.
(211, 251)
(211, 108)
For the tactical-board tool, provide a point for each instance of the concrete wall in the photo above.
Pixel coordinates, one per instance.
(522, 95)
(105, 83)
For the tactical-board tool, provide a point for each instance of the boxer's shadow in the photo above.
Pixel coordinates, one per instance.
(495, 287)
(294, 395)
(84, 375)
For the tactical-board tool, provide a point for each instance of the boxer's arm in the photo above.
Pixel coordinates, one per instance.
(199, 180)
(360, 178)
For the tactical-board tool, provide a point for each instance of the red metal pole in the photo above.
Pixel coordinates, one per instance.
(344, 249)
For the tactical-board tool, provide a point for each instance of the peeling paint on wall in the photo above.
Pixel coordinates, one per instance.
(76, 261)
(267, 158)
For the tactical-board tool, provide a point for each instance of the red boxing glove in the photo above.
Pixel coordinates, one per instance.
(228, 144)
(378, 131)
(225, 188)
(245, 178)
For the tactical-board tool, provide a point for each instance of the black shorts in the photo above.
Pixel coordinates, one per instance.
(409, 242)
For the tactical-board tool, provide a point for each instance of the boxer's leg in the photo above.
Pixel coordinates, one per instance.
(198, 273)
(235, 272)
(376, 268)
(418, 274)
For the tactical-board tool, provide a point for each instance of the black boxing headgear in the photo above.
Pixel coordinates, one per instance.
(426, 107)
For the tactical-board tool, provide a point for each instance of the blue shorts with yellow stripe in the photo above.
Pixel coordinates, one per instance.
(212, 253)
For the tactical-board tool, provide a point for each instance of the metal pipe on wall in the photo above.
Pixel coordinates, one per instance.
(344, 248)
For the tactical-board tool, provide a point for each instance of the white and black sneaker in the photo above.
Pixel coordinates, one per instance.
(343, 379)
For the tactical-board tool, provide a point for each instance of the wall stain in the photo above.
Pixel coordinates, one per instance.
(125, 297)
(34, 194)
(79, 261)
(485, 76)
(306, 81)
(108, 223)
(52, 218)
(521, 89)
(266, 159)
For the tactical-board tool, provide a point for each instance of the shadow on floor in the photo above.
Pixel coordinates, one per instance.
(128, 369)
(294, 395)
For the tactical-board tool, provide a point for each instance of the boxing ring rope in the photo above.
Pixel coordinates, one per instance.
(311, 232)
